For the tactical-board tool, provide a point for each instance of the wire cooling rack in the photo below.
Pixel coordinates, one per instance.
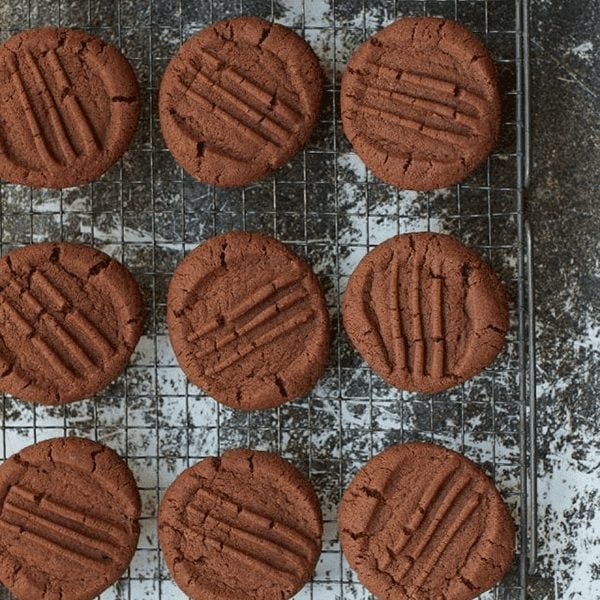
(325, 204)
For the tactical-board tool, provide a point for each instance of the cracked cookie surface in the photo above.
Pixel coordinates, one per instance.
(420, 521)
(248, 321)
(239, 99)
(70, 317)
(245, 526)
(70, 107)
(68, 519)
(425, 312)
(420, 103)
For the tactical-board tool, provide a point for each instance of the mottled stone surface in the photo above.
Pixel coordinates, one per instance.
(145, 212)
(565, 209)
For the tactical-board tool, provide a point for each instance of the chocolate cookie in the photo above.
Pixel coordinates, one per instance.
(420, 103)
(239, 100)
(425, 312)
(70, 317)
(248, 321)
(244, 526)
(68, 519)
(420, 521)
(70, 106)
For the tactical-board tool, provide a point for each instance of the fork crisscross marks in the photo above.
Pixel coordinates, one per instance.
(262, 543)
(268, 313)
(31, 118)
(69, 510)
(247, 522)
(64, 121)
(422, 110)
(57, 144)
(70, 341)
(443, 112)
(236, 102)
(73, 535)
(408, 326)
(428, 337)
(438, 116)
(421, 521)
(419, 307)
(248, 321)
(442, 510)
(64, 330)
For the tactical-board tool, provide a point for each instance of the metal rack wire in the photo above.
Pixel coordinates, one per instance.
(148, 214)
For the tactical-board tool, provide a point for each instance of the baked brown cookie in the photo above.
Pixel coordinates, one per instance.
(69, 519)
(420, 521)
(248, 321)
(421, 104)
(70, 317)
(425, 312)
(70, 107)
(246, 526)
(239, 99)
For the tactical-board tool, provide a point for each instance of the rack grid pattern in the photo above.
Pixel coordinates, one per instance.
(147, 213)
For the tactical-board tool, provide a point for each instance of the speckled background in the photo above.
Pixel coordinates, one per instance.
(148, 214)
(565, 210)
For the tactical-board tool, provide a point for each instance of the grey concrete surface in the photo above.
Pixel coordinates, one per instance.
(564, 207)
